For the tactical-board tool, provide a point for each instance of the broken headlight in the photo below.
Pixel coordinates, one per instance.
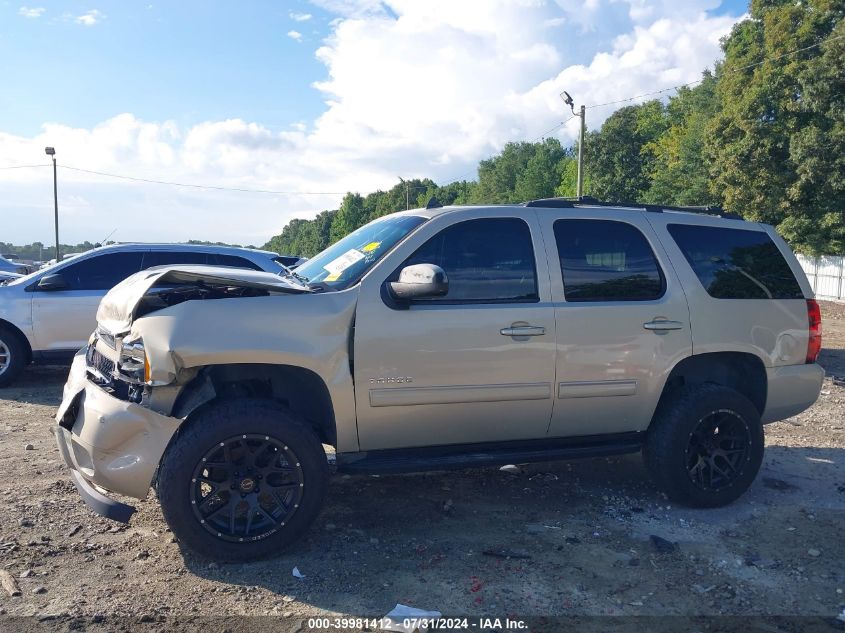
(133, 364)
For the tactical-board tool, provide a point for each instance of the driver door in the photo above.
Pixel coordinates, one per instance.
(476, 365)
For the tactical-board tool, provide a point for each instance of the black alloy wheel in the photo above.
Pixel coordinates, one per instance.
(718, 447)
(242, 479)
(246, 487)
(705, 445)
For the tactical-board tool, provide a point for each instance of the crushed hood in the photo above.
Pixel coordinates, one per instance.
(119, 306)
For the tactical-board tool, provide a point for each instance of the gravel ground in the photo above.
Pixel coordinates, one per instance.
(586, 538)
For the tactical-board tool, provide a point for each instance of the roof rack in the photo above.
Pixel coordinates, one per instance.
(571, 203)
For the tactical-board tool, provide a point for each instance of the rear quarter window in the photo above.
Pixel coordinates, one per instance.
(736, 263)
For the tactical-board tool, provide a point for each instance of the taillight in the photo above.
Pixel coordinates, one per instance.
(814, 344)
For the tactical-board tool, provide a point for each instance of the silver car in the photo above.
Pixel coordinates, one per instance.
(48, 315)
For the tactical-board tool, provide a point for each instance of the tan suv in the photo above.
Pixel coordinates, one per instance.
(440, 338)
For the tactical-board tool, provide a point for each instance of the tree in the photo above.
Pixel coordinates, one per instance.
(778, 141)
(542, 172)
(523, 171)
(568, 186)
(679, 170)
(349, 217)
(619, 158)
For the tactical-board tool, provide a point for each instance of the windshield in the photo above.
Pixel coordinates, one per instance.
(36, 273)
(343, 263)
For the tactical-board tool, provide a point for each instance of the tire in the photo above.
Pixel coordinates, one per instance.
(14, 356)
(276, 471)
(705, 445)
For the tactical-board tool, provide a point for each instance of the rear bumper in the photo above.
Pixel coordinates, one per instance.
(792, 389)
(108, 443)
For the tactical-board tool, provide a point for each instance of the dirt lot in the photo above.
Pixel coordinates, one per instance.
(584, 528)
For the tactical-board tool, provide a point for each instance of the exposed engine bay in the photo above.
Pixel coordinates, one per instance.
(168, 294)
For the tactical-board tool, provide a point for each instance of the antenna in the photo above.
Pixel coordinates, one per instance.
(108, 236)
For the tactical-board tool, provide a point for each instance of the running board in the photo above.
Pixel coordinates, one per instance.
(409, 460)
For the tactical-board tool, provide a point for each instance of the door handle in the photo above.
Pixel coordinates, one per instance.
(523, 330)
(662, 325)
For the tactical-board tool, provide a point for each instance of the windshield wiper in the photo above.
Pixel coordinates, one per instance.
(300, 278)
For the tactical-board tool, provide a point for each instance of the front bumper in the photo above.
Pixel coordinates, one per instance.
(109, 443)
(100, 503)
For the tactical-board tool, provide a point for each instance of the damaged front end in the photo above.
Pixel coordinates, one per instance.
(118, 359)
(113, 424)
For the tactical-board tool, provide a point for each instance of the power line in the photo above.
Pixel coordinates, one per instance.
(727, 72)
(193, 186)
(558, 126)
(22, 166)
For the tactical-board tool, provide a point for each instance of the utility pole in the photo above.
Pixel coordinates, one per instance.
(50, 151)
(579, 187)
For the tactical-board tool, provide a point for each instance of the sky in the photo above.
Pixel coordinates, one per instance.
(306, 99)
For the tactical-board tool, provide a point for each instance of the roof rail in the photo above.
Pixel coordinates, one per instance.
(571, 203)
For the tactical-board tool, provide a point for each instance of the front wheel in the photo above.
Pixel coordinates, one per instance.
(13, 356)
(243, 480)
(705, 445)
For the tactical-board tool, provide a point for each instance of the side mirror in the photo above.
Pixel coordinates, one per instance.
(52, 282)
(420, 281)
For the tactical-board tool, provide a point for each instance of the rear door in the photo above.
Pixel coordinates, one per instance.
(744, 295)
(474, 366)
(621, 317)
(64, 319)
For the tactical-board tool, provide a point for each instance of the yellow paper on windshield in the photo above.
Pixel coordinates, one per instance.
(371, 247)
(332, 277)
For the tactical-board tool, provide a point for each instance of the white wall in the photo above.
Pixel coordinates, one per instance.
(826, 275)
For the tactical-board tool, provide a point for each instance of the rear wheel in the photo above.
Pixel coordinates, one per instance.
(13, 356)
(244, 480)
(705, 445)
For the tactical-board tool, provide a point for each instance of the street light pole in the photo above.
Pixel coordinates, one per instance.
(579, 187)
(50, 151)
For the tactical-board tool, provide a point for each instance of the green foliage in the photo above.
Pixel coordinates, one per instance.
(620, 156)
(778, 142)
(568, 187)
(349, 217)
(679, 171)
(523, 171)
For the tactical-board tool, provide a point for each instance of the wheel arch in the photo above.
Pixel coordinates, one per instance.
(741, 371)
(16, 331)
(301, 390)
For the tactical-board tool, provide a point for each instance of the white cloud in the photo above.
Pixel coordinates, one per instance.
(411, 88)
(295, 35)
(299, 17)
(443, 83)
(31, 12)
(90, 18)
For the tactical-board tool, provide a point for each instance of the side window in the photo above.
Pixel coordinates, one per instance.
(101, 272)
(163, 258)
(488, 260)
(606, 260)
(234, 261)
(736, 263)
